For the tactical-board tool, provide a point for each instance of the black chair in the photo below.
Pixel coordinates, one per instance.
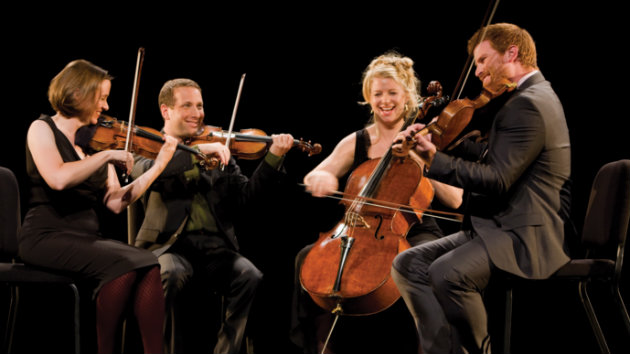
(603, 237)
(16, 274)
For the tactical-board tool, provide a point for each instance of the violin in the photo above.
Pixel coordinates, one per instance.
(248, 144)
(110, 133)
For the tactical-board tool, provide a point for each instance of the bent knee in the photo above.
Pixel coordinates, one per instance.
(443, 277)
(410, 262)
(252, 276)
(174, 271)
(247, 273)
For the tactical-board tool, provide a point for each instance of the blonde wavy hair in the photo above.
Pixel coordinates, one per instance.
(393, 65)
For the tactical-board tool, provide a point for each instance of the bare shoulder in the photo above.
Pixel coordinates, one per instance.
(38, 130)
(339, 161)
(347, 143)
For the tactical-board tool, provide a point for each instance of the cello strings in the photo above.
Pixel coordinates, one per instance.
(403, 208)
(427, 213)
(369, 188)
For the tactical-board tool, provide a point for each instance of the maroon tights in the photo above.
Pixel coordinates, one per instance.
(148, 307)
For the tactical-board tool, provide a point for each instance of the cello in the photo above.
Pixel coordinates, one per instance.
(348, 269)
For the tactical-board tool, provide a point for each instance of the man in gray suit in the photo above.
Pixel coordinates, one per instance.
(514, 221)
(190, 214)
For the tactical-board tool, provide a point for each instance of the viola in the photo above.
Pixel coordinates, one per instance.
(458, 113)
(454, 118)
(248, 144)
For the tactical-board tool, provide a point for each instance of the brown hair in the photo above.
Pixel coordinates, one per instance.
(72, 92)
(166, 96)
(504, 35)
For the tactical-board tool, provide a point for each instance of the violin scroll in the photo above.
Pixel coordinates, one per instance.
(434, 88)
(435, 98)
(308, 147)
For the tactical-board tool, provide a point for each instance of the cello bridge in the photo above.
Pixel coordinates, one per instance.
(356, 220)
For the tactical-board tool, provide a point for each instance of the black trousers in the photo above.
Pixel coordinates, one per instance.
(227, 271)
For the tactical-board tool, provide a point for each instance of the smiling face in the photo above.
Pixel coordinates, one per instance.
(185, 117)
(387, 99)
(101, 101)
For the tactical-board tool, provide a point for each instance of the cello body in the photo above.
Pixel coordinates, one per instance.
(348, 268)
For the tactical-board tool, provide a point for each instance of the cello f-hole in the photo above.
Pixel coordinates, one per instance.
(378, 228)
(340, 231)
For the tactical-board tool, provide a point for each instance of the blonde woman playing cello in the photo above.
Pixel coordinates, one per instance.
(390, 87)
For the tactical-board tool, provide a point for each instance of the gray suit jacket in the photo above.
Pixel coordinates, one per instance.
(168, 201)
(516, 188)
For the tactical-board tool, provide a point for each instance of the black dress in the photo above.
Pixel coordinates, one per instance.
(61, 228)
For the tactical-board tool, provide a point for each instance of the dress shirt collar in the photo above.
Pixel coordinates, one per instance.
(524, 78)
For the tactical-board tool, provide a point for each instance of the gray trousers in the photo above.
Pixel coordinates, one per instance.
(441, 283)
(233, 275)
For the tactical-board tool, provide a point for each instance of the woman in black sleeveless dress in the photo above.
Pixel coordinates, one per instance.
(61, 227)
(390, 87)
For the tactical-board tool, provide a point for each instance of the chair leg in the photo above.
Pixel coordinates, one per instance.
(12, 316)
(77, 319)
(507, 323)
(592, 318)
(173, 331)
(622, 307)
(123, 336)
(249, 345)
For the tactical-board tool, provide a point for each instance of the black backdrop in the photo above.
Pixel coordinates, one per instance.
(303, 66)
